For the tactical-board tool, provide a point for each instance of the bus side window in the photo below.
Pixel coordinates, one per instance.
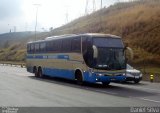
(28, 48)
(42, 47)
(76, 44)
(48, 46)
(84, 44)
(66, 45)
(32, 48)
(57, 45)
(37, 47)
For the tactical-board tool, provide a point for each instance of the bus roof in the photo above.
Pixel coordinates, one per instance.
(100, 35)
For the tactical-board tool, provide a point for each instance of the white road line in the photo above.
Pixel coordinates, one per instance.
(106, 92)
(157, 90)
(143, 88)
(101, 91)
(150, 100)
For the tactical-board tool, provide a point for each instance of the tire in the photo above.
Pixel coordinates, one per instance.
(136, 81)
(79, 78)
(105, 83)
(35, 72)
(40, 74)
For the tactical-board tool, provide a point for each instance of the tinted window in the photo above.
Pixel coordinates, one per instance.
(76, 44)
(108, 42)
(42, 47)
(37, 47)
(49, 46)
(28, 48)
(66, 45)
(84, 44)
(57, 45)
(32, 48)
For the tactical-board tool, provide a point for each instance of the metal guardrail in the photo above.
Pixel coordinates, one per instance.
(22, 65)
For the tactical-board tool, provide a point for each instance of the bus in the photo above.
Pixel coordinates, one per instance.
(90, 57)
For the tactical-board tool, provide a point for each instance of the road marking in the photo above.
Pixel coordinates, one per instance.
(101, 91)
(143, 88)
(157, 90)
(150, 100)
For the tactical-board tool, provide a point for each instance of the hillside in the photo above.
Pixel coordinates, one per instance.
(138, 23)
(13, 45)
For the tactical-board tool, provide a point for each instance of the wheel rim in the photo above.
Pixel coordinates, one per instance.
(35, 72)
(40, 73)
(105, 83)
(79, 78)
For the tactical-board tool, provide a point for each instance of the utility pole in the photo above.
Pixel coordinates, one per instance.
(90, 3)
(66, 15)
(86, 8)
(26, 26)
(94, 5)
(37, 6)
(14, 28)
(101, 4)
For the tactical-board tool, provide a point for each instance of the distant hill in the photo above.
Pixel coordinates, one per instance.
(138, 23)
(10, 38)
(13, 45)
(19, 37)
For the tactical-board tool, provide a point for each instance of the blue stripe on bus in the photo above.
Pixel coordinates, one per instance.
(48, 57)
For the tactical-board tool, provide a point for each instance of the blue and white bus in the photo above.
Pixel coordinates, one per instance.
(88, 57)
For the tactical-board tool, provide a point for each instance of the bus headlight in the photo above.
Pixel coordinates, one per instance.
(100, 74)
(90, 70)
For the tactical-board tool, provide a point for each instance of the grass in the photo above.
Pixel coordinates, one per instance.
(137, 22)
(155, 71)
(152, 70)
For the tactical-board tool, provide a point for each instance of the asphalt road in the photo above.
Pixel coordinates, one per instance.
(20, 88)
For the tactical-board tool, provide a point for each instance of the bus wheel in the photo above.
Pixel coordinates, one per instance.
(136, 81)
(78, 77)
(35, 72)
(105, 83)
(40, 74)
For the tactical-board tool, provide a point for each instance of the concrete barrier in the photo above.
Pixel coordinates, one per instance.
(22, 65)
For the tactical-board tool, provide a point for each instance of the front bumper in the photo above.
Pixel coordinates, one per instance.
(118, 78)
(94, 77)
(133, 78)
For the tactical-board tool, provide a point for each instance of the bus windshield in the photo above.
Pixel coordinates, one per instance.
(110, 59)
(110, 54)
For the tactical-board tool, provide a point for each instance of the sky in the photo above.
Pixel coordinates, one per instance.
(20, 15)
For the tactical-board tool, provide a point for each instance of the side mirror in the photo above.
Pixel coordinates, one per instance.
(95, 51)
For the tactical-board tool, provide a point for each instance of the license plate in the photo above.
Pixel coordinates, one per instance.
(137, 77)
